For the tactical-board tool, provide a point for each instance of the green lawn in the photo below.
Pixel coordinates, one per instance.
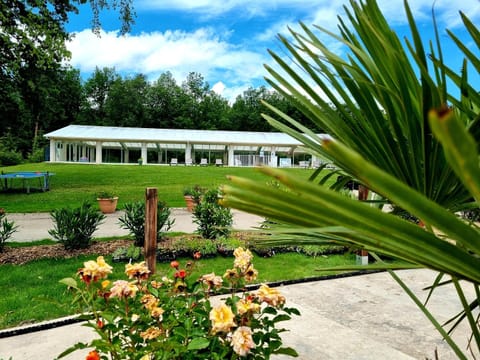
(32, 292)
(74, 183)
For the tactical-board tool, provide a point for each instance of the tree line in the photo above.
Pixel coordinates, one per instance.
(54, 99)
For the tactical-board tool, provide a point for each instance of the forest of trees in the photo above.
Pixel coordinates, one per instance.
(58, 98)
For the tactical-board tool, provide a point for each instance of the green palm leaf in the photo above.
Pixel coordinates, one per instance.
(384, 108)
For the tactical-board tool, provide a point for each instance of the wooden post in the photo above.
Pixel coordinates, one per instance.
(151, 200)
(362, 255)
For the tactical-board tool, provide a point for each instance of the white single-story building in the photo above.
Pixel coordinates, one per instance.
(106, 144)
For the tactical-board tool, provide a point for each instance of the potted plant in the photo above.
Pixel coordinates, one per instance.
(192, 196)
(107, 202)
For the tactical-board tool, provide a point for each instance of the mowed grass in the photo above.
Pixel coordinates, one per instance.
(32, 293)
(74, 183)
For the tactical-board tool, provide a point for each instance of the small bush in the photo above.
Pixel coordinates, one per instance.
(134, 220)
(37, 156)
(8, 157)
(7, 228)
(213, 220)
(189, 246)
(74, 228)
(128, 253)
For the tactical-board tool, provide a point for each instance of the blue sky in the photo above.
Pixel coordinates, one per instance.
(227, 40)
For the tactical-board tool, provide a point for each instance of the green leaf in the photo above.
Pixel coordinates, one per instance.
(281, 317)
(198, 343)
(70, 282)
(286, 351)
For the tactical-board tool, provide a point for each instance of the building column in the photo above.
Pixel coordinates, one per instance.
(126, 156)
(188, 153)
(231, 157)
(98, 152)
(144, 153)
(273, 158)
(52, 148)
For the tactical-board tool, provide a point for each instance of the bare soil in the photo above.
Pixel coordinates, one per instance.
(22, 255)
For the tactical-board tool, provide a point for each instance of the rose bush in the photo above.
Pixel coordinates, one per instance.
(175, 317)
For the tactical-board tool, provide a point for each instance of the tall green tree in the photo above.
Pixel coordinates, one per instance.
(125, 104)
(32, 108)
(163, 102)
(194, 91)
(247, 109)
(96, 91)
(33, 32)
(32, 48)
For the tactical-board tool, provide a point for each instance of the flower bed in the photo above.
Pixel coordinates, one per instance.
(173, 317)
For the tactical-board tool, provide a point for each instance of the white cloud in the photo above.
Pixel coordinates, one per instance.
(176, 51)
(210, 8)
(232, 68)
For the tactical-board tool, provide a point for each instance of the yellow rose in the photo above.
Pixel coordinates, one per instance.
(243, 258)
(244, 306)
(222, 318)
(270, 296)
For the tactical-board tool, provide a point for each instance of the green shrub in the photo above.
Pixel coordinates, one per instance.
(10, 157)
(37, 156)
(213, 220)
(7, 228)
(127, 253)
(134, 220)
(189, 246)
(74, 227)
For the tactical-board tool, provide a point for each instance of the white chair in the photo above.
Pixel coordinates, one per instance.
(173, 161)
(188, 162)
(203, 162)
(218, 162)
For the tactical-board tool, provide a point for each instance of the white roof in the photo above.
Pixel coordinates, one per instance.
(173, 136)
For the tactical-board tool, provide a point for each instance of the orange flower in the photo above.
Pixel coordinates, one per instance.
(149, 301)
(251, 274)
(174, 264)
(230, 274)
(180, 274)
(94, 270)
(151, 333)
(138, 270)
(93, 355)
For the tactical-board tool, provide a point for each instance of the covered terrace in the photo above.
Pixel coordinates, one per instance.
(104, 144)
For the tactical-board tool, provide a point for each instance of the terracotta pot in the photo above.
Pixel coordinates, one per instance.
(190, 202)
(107, 206)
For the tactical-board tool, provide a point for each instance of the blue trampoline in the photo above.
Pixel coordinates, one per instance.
(25, 178)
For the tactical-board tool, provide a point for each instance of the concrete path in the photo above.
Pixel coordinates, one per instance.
(365, 317)
(35, 226)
